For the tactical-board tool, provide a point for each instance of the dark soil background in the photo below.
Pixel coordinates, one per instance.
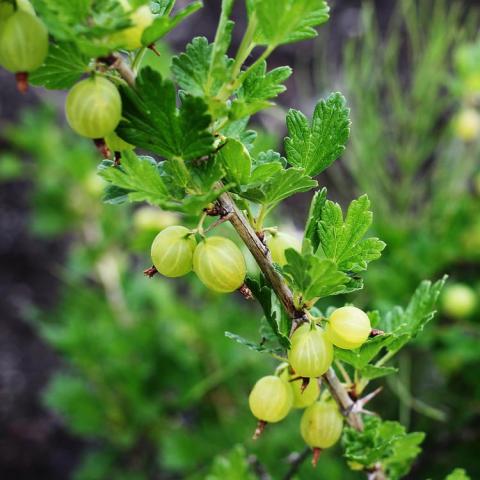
(33, 443)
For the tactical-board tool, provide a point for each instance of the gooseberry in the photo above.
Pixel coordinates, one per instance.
(172, 251)
(147, 218)
(23, 42)
(279, 242)
(321, 424)
(270, 399)
(301, 397)
(311, 353)
(348, 327)
(459, 300)
(93, 107)
(219, 264)
(467, 124)
(130, 38)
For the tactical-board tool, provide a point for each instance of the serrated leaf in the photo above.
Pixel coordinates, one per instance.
(194, 72)
(256, 347)
(287, 21)
(361, 357)
(282, 184)
(383, 442)
(64, 66)
(276, 317)
(153, 122)
(236, 160)
(139, 176)
(233, 466)
(407, 324)
(315, 146)
(164, 24)
(258, 89)
(314, 213)
(313, 277)
(342, 241)
(458, 474)
(371, 372)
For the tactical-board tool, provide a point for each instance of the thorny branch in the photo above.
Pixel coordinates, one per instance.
(263, 258)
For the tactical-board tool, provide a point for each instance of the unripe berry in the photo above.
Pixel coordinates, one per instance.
(130, 38)
(348, 327)
(279, 242)
(311, 353)
(172, 251)
(147, 218)
(321, 424)
(467, 125)
(219, 264)
(459, 300)
(270, 399)
(305, 398)
(23, 42)
(94, 107)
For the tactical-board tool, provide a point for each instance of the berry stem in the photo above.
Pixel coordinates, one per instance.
(22, 81)
(316, 455)
(260, 428)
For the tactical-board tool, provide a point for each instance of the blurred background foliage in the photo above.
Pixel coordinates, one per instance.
(147, 378)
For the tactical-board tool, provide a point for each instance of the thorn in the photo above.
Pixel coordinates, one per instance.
(375, 332)
(260, 428)
(363, 401)
(305, 382)
(22, 81)
(316, 455)
(153, 48)
(246, 292)
(358, 406)
(102, 147)
(261, 236)
(117, 156)
(150, 272)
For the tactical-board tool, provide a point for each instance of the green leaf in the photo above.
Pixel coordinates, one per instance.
(370, 372)
(342, 241)
(458, 474)
(237, 162)
(256, 347)
(153, 122)
(287, 21)
(276, 317)
(193, 70)
(282, 183)
(407, 324)
(314, 213)
(313, 277)
(138, 177)
(361, 357)
(316, 146)
(233, 466)
(258, 88)
(383, 442)
(164, 24)
(64, 65)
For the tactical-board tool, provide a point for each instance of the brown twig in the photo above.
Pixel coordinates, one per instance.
(264, 261)
(296, 463)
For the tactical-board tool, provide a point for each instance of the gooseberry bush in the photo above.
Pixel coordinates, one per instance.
(198, 160)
